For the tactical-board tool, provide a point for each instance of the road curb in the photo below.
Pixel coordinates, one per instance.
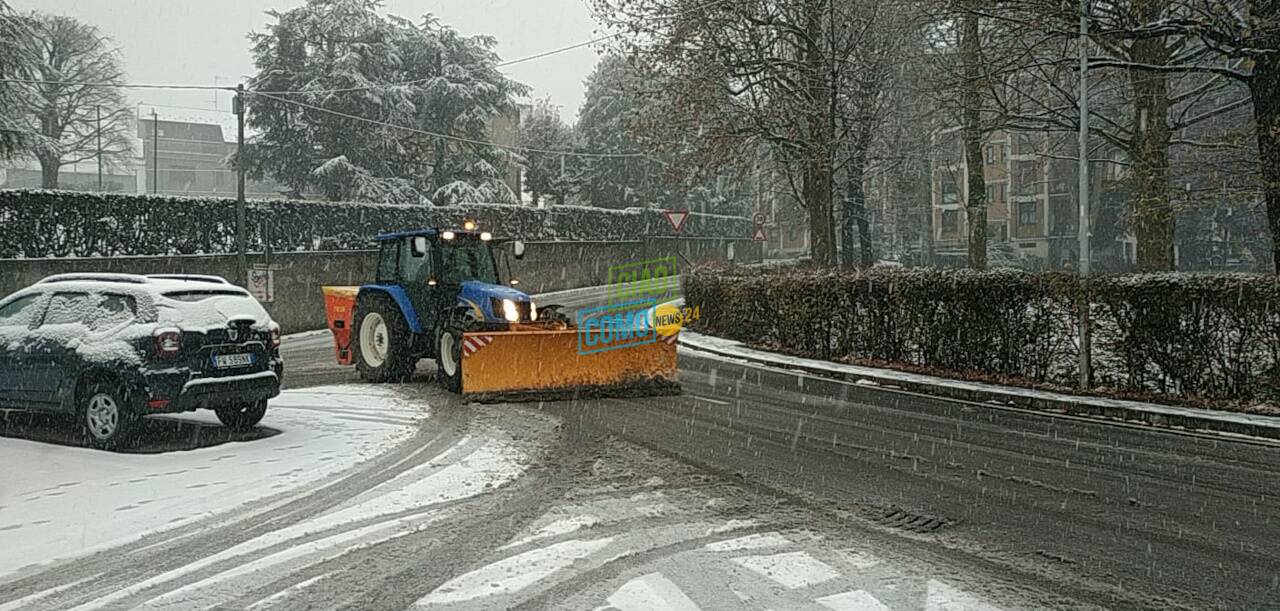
(1155, 415)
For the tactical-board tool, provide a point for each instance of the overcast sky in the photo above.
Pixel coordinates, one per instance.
(197, 41)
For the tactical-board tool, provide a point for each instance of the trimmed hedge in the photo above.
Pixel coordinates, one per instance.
(1188, 336)
(76, 224)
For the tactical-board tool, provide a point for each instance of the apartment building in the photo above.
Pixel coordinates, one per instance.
(1032, 201)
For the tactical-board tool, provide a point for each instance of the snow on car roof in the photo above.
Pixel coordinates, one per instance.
(158, 283)
(186, 301)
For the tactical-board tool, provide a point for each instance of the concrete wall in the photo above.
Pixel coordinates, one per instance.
(547, 266)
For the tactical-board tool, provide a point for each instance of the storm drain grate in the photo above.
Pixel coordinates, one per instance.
(912, 522)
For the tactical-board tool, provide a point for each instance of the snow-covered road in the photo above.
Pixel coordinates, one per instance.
(59, 501)
(361, 496)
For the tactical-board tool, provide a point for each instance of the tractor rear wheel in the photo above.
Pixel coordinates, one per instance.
(382, 340)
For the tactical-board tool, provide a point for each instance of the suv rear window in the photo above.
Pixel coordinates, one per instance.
(200, 295)
(114, 310)
(67, 308)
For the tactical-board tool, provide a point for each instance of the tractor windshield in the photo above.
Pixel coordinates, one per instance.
(463, 260)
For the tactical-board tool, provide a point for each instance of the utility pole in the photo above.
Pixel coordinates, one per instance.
(237, 105)
(99, 111)
(155, 151)
(1085, 347)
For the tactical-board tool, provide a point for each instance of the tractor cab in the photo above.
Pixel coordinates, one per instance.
(445, 272)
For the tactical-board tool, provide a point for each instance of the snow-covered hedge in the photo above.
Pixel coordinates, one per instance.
(67, 224)
(1191, 336)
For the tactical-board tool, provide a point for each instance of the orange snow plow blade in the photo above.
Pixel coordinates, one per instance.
(500, 365)
(340, 309)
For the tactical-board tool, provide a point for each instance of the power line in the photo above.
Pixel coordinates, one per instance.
(520, 149)
(344, 89)
(119, 85)
(499, 65)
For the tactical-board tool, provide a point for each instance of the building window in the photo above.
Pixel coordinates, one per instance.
(996, 232)
(1026, 175)
(950, 190)
(991, 154)
(995, 192)
(1027, 213)
(950, 221)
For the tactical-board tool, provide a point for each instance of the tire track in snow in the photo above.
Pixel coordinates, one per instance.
(166, 551)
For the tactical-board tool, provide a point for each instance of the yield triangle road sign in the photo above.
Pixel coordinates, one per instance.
(676, 218)
(759, 234)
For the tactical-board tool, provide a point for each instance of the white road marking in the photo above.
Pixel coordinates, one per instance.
(755, 541)
(513, 574)
(652, 591)
(942, 597)
(557, 528)
(792, 570)
(857, 600)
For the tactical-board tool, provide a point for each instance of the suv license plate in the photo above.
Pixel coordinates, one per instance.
(227, 361)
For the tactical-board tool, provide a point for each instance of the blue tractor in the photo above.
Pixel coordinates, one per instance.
(437, 294)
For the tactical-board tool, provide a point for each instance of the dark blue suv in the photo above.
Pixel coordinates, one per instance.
(112, 348)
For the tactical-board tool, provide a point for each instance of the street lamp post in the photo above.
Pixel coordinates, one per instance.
(155, 151)
(237, 105)
(1085, 356)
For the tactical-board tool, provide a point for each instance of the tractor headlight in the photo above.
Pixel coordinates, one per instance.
(509, 311)
(448, 235)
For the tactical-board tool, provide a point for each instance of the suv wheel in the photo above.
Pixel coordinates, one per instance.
(382, 341)
(242, 417)
(105, 415)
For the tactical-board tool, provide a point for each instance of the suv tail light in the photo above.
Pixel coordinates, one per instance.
(275, 336)
(168, 343)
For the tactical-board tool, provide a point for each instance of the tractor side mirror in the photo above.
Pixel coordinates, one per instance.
(420, 246)
(517, 248)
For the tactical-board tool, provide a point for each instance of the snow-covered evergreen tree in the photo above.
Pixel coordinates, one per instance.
(344, 56)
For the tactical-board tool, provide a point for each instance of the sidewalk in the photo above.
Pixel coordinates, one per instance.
(1162, 416)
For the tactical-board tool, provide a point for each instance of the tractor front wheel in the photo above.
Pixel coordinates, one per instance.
(383, 342)
(449, 358)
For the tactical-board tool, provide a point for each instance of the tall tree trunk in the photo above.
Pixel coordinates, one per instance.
(817, 195)
(1264, 88)
(49, 167)
(976, 202)
(853, 216)
(1153, 213)
(818, 173)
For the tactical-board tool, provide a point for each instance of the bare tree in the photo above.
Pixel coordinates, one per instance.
(1246, 33)
(970, 52)
(739, 74)
(76, 76)
(1139, 103)
(13, 135)
(875, 33)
